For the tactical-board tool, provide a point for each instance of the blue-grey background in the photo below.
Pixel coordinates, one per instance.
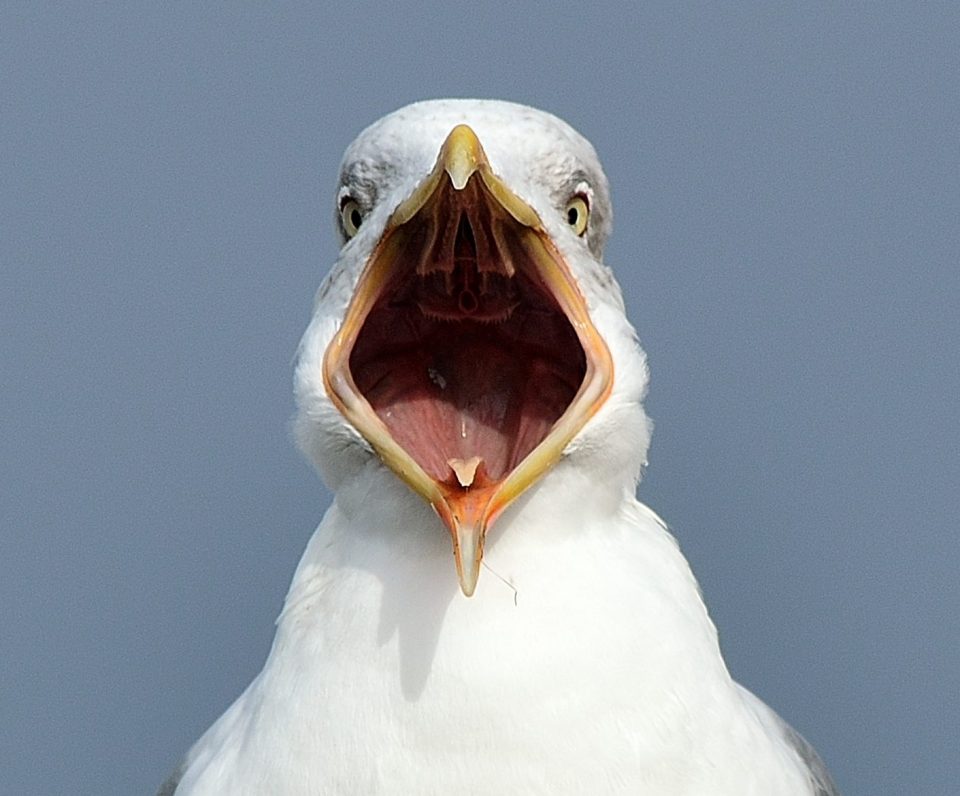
(787, 189)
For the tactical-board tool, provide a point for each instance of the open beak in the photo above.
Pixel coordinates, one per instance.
(467, 357)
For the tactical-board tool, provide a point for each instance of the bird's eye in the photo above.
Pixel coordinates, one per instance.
(350, 216)
(578, 212)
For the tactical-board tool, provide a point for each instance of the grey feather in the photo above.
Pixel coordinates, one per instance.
(823, 784)
(169, 787)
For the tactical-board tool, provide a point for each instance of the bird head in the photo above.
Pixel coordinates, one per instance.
(469, 337)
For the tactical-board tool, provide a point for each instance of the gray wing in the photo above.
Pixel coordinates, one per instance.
(821, 782)
(169, 787)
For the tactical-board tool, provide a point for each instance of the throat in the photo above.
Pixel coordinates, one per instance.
(460, 390)
(466, 356)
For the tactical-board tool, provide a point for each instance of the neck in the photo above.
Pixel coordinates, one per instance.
(585, 621)
(563, 576)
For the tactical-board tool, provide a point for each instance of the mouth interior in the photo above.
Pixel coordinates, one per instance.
(465, 356)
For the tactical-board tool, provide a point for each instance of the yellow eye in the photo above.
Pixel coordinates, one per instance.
(351, 217)
(577, 212)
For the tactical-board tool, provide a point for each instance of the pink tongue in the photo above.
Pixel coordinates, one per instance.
(467, 395)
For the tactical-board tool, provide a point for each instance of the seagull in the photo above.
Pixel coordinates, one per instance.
(485, 608)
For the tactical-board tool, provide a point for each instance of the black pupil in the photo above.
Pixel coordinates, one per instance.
(572, 216)
(355, 218)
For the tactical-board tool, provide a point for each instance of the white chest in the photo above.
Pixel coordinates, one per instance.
(597, 674)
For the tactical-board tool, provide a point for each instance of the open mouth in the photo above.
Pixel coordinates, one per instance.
(467, 357)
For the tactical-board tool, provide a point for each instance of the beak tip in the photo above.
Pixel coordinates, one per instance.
(462, 155)
(468, 551)
(468, 580)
